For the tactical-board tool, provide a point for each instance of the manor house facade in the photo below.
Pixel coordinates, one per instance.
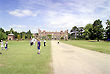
(54, 35)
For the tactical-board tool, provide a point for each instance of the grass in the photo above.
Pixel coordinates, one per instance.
(21, 58)
(103, 47)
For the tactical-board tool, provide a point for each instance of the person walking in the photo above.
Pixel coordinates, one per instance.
(31, 42)
(34, 42)
(38, 46)
(44, 42)
(58, 42)
(2, 44)
(6, 45)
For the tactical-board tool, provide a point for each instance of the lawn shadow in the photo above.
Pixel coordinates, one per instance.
(92, 41)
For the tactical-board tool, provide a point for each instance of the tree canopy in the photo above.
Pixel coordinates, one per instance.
(93, 31)
(21, 35)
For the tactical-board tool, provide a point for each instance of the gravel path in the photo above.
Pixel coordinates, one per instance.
(69, 59)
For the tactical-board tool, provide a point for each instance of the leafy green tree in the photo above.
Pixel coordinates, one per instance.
(23, 36)
(11, 30)
(98, 29)
(105, 35)
(43, 37)
(69, 36)
(88, 32)
(72, 36)
(2, 30)
(49, 36)
(16, 34)
(18, 37)
(3, 35)
(75, 31)
(80, 32)
(29, 34)
(7, 32)
(108, 29)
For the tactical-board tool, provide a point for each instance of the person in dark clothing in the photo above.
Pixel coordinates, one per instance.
(38, 46)
(45, 42)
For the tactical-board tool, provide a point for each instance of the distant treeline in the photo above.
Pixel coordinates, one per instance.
(93, 31)
(21, 35)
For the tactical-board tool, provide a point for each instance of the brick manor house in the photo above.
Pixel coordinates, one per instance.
(53, 35)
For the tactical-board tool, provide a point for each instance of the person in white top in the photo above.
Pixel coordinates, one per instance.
(2, 45)
(45, 42)
(31, 43)
(35, 41)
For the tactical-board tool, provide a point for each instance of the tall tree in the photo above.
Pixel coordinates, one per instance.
(23, 34)
(2, 30)
(29, 34)
(18, 37)
(11, 30)
(74, 30)
(80, 32)
(7, 32)
(16, 34)
(98, 29)
(108, 29)
(3, 35)
(88, 32)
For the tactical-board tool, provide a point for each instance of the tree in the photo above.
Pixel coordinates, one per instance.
(74, 30)
(2, 30)
(88, 32)
(16, 34)
(43, 37)
(49, 36)
(7, 32)
(108, 29)
(29, 34)
(18, 37)
(72, 36)
(11, 30)
(80, 32)
(3, 35)
(23, 36)
(69, 36)
(98, 29)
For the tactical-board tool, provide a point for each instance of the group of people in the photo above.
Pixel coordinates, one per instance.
(2, 45)
(33, 42)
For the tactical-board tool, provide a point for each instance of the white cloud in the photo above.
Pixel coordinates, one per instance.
(80, 13)
(25, 28)
(59, 20)
(22, 13)
(64, 14)
(18, 28)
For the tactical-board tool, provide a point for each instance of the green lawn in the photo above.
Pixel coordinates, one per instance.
(21, 58)
(102, 46)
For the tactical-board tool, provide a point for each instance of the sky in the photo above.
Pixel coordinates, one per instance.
(51, 15)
